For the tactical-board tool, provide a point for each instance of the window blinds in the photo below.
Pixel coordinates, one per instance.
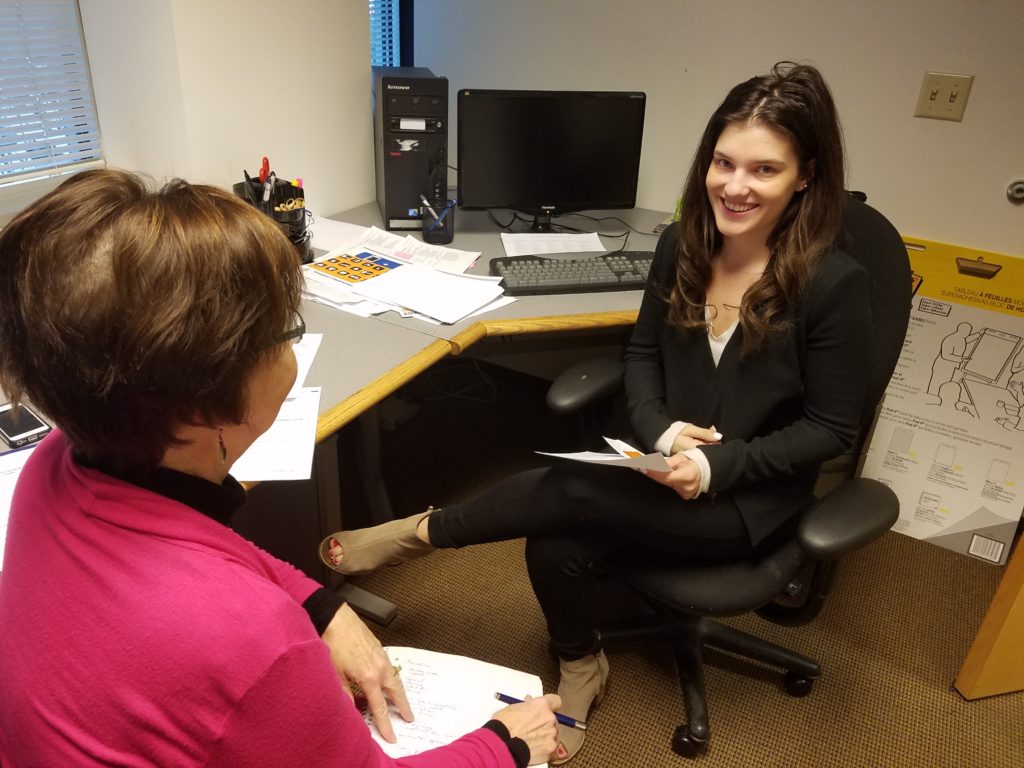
(384, 33)
(47, 116)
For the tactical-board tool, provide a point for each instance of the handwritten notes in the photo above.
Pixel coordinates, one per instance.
(450, 697)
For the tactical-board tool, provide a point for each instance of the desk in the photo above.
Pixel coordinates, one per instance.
(474, 231)
(383, 357)
(994, 664)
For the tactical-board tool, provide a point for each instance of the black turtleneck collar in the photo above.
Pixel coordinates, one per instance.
(219, 502)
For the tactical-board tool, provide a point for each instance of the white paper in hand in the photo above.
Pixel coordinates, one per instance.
(625, 456)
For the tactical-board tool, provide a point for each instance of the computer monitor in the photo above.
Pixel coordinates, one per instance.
(546, 153)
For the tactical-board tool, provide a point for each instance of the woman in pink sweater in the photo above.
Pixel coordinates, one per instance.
(155, 330)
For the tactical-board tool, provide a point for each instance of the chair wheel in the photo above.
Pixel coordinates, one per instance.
(685, 745)
(797, 685)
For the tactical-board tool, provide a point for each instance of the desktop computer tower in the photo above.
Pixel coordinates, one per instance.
(410, 142)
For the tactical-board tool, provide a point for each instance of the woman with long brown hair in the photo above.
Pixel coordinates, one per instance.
(745, 369)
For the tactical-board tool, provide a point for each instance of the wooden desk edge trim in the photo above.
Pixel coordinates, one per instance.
(992, 648)
(332, 420)
(544, 324)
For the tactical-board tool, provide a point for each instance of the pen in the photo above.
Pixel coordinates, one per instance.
(439, 217)
(563, 719)
(269, 186)
(426, 205)
(248, 186)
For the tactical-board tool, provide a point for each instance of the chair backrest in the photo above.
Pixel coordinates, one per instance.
(873, 242)
(869, 238)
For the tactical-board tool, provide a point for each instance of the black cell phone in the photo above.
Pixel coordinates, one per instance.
(22, 427)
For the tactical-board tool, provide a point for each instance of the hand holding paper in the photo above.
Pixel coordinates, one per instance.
(684, 477)
(625, 456)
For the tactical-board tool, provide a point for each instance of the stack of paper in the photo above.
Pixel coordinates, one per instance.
(386, 272)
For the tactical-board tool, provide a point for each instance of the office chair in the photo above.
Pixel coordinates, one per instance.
(789, 584)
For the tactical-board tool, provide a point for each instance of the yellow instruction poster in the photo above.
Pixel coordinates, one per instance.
(949, 438)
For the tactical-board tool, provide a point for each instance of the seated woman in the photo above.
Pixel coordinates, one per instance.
(745, 368)
(155, 329)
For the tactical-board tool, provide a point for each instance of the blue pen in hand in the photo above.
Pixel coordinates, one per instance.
(563, 719)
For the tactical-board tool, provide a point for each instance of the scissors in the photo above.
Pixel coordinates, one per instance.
(264, 171)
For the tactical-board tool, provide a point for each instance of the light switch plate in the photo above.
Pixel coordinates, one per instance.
(943, 96)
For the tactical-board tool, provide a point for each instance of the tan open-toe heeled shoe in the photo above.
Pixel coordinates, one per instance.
(367, 549)
(582, 687)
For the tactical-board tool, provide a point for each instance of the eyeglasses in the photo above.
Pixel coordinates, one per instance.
(295, 334)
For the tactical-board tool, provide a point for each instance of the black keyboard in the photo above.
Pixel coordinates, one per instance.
(616, 271)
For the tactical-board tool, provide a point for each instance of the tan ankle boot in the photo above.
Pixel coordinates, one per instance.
(367, 549)
(582, 686)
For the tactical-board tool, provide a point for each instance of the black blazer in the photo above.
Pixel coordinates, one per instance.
(782, 410)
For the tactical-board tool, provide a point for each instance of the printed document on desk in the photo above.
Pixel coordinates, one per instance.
(531, 244)
(392, 282)
(333, 280)
(949, 438)
(285, 451)
(11, 464)
(334, 237)
(408, 248)
(450, 697)
(445, 297)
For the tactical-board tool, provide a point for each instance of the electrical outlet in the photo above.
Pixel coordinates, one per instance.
(943, 96)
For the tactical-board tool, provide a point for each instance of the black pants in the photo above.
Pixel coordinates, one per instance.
(574, 515)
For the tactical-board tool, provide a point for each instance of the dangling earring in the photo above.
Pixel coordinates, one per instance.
(223, 449)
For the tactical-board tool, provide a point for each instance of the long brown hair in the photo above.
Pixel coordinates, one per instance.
(126, 312)
(795, 102)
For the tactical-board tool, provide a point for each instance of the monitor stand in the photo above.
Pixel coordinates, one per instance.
(541, 223)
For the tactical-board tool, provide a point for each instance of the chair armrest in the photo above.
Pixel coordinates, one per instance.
(586, 383)
(853, 515)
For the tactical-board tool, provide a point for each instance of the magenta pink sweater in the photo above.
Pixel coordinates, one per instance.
(136, 631)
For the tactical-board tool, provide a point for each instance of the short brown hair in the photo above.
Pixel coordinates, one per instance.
(125, 312)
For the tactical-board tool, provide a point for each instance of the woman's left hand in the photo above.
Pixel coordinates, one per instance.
(359, 659)
(691, 436)
(683, 478)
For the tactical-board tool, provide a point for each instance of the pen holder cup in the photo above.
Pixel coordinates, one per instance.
(293, 223)
(439, 222)
(286, 206)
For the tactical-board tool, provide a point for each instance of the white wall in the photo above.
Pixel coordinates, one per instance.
(203, 90)
(938, 180)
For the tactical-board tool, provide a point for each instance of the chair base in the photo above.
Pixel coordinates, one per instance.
(689, 635)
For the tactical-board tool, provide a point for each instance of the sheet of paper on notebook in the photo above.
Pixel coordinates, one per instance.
(450, 696)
